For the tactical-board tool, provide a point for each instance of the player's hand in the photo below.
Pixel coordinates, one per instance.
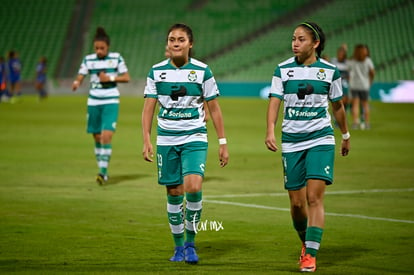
(223, 155)
(270, 142)
(75, 85)
(345, 146)
(148, 152)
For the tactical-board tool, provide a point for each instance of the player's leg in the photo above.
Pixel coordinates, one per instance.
(169, 174)
(175, 198)
(94, 127)
(320, 168)
(355, 110)
(194, 156)
(295, 183)
(108, 120)
(366, 111)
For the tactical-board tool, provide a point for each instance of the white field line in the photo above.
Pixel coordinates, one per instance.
(327, 193)
(208, 200)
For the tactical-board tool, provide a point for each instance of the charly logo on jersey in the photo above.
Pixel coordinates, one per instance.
(321, 75)
(192, 76)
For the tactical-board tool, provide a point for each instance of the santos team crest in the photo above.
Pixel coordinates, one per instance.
(321, 75)
(192, 76)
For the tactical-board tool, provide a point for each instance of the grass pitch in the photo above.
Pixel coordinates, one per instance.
(55, 219)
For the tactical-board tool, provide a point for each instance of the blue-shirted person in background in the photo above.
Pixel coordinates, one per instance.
(14, 68)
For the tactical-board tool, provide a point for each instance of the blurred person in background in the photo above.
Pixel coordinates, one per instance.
(181, 85)
(361, 76)
(306, 84)
(106, 69)
(14, 69)
(3, 78)
(40, 82)
(341, 62)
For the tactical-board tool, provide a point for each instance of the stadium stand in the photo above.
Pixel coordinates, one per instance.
(381, 26)
(34, 29)
(138, 29)
(241, 40)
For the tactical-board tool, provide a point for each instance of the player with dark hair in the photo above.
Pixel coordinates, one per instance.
(106, 69)
(15, 69)
(40, 82)
(306, 84)
(181, 85)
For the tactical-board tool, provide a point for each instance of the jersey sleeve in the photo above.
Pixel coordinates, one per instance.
(122, 67)
(335, 91)
(83, 70)
(210, 88)
(150, 88)
(276, 89)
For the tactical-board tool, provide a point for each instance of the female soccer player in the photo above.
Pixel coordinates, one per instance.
(40, 82)
(306, 83)
(362, 74)
(105, 69)
(180, 85)
(14, 69)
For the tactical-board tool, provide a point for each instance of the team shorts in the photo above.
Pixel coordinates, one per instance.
(102, 117)
(176, 161)
(313, 163)
(361, 94)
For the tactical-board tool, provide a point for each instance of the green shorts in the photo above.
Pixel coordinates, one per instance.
(175, 162)
(313, 163)
(102, 117)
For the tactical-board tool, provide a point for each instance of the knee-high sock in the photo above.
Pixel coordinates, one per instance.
(105, 156)
(98, 147)
(193, 214)
(313, 240)
(176, 218)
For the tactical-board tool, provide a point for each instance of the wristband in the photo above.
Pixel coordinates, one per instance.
(346, 136)
(112, 78)
(222, 141)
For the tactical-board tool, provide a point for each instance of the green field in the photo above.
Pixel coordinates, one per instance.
(55, 219)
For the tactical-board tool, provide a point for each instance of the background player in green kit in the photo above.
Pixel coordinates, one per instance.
(105, 69)
(306, 83)
(180, 85)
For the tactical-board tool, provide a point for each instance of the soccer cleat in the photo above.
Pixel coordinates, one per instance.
(190, 253)
(178, 254)
(308, 264)
(101, 179)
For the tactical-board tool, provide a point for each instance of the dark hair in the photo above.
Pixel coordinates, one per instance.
(186, 29)
(101, 35)
(361, 52)
(317, 34)
(12, 54)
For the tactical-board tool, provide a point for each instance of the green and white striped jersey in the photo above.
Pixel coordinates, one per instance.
(180, 93)
(306, 92)
(102, 93)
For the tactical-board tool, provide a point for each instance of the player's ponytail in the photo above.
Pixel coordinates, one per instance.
(101, 35)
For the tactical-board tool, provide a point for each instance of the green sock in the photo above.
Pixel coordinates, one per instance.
(192, 214)
(175, 218)
(300, 227)
(313, 240)
(106, 152)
